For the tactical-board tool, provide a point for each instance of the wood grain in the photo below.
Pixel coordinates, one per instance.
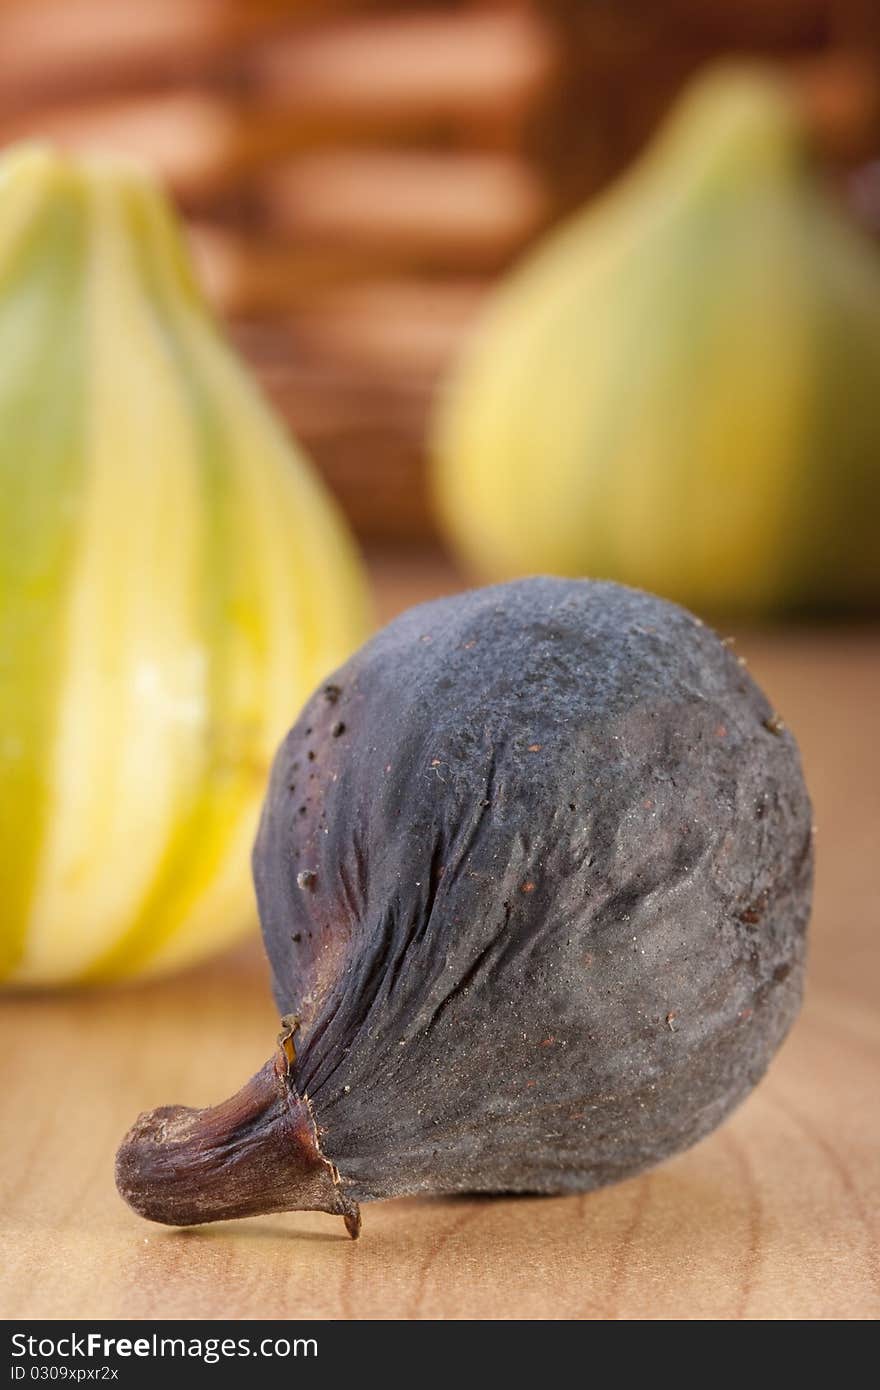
(775, 1216)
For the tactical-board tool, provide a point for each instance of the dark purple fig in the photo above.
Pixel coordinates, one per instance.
(534, 876)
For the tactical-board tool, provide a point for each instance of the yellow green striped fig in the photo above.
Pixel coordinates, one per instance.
(680, 388)
(173, 582)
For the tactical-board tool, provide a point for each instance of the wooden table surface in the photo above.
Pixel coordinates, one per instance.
(774, 1216)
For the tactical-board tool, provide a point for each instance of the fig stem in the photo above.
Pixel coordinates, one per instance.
(257, 1152)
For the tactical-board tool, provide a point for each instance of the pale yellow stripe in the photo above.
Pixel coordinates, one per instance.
(133, 699)
(287, 535)
(297, 570)
(24, 187)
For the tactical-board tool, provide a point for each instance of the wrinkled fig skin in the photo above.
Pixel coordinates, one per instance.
(534, 875)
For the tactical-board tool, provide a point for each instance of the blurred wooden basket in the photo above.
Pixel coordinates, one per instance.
(356, 175)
